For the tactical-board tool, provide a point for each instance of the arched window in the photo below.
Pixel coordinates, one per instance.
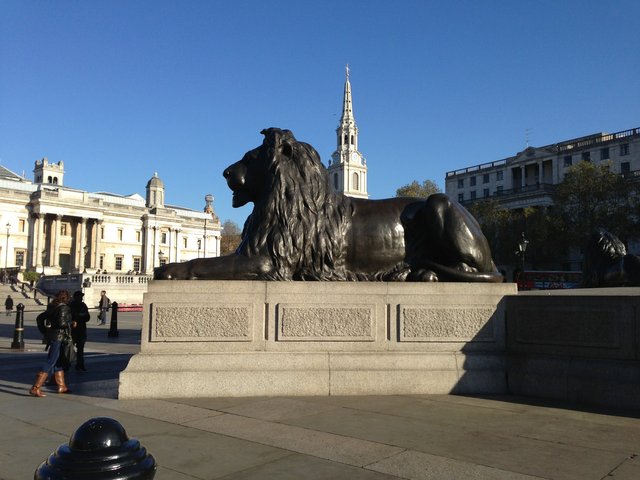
(49, 179)
(352, 140)
(335, 181)
(55, 180)
(356, 182)
(346, 139)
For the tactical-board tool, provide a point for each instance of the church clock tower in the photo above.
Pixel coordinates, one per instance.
(348, 167)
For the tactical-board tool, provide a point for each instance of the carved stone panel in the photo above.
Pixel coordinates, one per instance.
(299, 322)
(202, 322)
(422, 323)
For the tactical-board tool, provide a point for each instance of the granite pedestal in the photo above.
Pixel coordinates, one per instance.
(240, 338)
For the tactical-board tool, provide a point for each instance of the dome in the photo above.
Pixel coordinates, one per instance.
(155, 181)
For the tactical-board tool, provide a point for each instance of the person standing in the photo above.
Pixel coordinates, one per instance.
(54, 322)
(8, 304)
(79, 319)
(104, 306)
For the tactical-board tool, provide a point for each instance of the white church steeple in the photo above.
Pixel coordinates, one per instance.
(348, 167)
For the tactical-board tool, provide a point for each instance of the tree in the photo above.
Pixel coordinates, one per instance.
(592, 196)
(415, 189)
(230, 237)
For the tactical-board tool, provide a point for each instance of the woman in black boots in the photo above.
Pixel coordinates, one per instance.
(56, 323)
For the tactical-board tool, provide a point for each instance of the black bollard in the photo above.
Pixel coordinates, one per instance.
(99, 448)
(113, 324)
(18, 332)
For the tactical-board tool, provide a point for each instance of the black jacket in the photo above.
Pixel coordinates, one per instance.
(80, 315)
(58, 319)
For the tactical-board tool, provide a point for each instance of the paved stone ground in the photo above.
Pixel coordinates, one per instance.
(413, 437)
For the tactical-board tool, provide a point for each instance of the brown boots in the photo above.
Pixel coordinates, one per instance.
(41, 377)
(62, 387)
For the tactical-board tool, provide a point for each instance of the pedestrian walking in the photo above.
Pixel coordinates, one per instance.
(8, 304)
(54, 323)
(104, 306)
(79, 319)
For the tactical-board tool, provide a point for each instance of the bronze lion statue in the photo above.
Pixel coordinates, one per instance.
(300, 230)
(607, 263)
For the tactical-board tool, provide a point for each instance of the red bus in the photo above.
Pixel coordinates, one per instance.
(548, 280)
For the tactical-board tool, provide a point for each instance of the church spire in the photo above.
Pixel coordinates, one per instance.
(348, 169)
(347, 118)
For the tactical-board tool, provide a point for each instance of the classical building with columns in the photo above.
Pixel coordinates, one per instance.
(48, 227)
(528, 178)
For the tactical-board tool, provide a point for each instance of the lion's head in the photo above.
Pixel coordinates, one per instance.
(296, 219)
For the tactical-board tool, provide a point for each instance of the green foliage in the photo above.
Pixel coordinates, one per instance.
(592, 196)
(415, 189)
(30, 275)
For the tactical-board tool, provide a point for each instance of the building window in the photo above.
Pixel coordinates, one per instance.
(461, 197)
(63, 229)
(137, 262)
(473, 194)
(19, 258)
(118, 262)
(499, 189)
(568, 161)
(101, 266)
(461, 183)
(604, 153)
(625, 167)
(138, 236)
(499, 175)
(485, 192)
(120, 234)
(356, 181)
(586, 156)
(624, 149)
(485, 178)
(163, 261)
(472, 181)
(335, 181)
(184, 242)
(21, 225)
(101, 234)
(163, 238)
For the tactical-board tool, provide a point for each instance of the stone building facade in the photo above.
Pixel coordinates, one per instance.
(54, 229)
(527, 179)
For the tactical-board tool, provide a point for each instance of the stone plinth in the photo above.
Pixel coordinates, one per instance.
(237, 338)
(576, 345)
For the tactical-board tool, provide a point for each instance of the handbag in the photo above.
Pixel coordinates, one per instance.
(67, 353)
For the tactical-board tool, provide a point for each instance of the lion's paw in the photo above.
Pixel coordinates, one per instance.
(422, 275)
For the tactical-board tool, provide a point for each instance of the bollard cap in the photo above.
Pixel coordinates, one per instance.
(99, 449)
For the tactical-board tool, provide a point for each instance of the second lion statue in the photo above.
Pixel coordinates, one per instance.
(300, 230)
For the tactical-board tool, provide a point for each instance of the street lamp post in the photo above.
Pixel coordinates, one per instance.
(85, 249)
(522, 249)
(6, 255)
(44, 256)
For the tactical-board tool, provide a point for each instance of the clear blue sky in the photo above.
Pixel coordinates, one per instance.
(121, 89)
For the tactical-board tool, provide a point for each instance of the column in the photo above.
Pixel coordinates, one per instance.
(55, 261)
(41, 244)
(170, 235)
(177, 250)
(146, 239)
(81, 244)
(96, 253)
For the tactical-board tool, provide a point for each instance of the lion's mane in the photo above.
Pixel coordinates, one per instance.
(298, 222)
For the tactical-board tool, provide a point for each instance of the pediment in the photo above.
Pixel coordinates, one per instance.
(530, 153)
